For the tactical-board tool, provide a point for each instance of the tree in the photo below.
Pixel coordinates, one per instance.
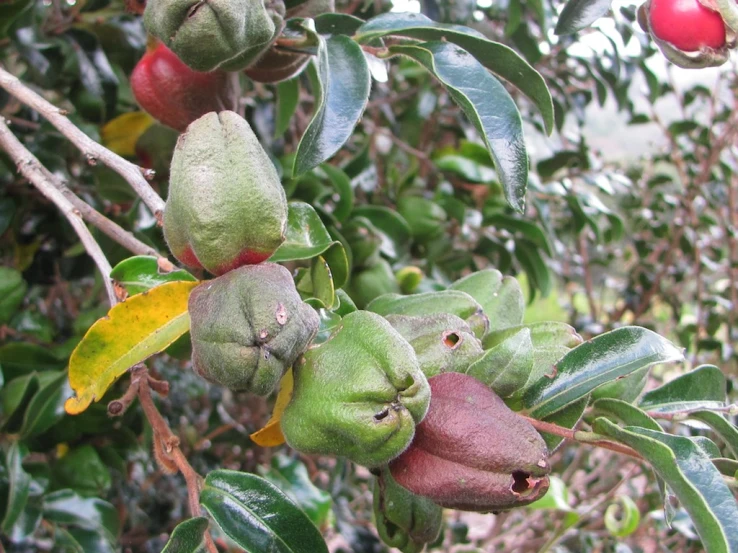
(354, 210)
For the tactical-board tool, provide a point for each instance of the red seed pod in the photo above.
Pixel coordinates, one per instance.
(686, 24)
(471, 452)
(176, 95)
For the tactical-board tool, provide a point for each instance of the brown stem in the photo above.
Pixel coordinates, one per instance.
(576, 436)
(30, 167)
(588, 286)
(94, 152)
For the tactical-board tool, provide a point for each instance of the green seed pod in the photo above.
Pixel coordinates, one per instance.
(452, 302)
(226, 205)
(367, 284)
(471, 452)
(358, 395)
(442, 343)
(404, 520)
(217, 34)
(248, 327)
(426, 218)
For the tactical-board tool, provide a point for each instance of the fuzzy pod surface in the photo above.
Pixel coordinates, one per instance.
(175, 95)
(404, 520)
(359, 395)
(213, 34)
(471, 452)
(226, 206)
(248, 327)
(442, 342)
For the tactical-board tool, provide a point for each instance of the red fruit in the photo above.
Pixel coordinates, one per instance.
(176, 95)
(686, 24)
(471, 452)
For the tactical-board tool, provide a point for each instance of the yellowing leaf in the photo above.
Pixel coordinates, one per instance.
(271, 435)
(122, 133)
(131, 332)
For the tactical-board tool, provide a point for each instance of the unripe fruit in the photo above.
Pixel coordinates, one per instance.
(404, 520)
(442, 343)
(471, 452)
(248, 327)
(226, 206)
(176, 95)
(686, 24)
(358, 395)
(217, 34)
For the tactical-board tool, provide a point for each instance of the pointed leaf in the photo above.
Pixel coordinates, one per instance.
(627, 413)
(306, 235)
(188, 537)
(690, 473)
(498, 58)
(603, 359)
(579, 14)
(723, 428)
(142, 272)
(19, 483)
(343, 83)
(257, 515)
(704, 387)
(271, 435)
(133, 331)
(487, 105)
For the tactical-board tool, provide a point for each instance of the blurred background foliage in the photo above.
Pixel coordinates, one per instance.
(631, 218)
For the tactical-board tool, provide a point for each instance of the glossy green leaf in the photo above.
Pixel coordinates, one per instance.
(19, 358)
(498, 58)
(342, 184)
(16, 394)
(12, 291)
(342, 87)
(539, 275)
(257, 515)
(188, 537)
(690, 473)
(88, 513)
(704, 387)
(531, 231)
(141, 273)
(609, 356)
(500, 297)
(544, 334)
(337, 24)
(579, 14)
(82, 470)
(291, 476)
(627, 413)
(19, 482)
(622, 517)
(288, 97)
(329, 320)
(46, 407)
(322, 282)
(394, 230)
(306, 235)
(728, 432)
(506, 367)
(487, 105)
(627, 389)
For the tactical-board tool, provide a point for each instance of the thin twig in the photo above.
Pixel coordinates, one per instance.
(581, 437)
(685, 413)
(94, 152)
(30, 167)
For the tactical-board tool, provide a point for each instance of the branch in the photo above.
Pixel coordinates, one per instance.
(582, 437)
(29, 166)
(91, 149)
(166, 443)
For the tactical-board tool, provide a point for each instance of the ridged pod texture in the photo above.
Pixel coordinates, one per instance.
(357, 395)
(174, 94)
(213, 34)
(226, 206)
(277, 64)
(404, 520)
(471, 452)
(248, 327)
(442, 343)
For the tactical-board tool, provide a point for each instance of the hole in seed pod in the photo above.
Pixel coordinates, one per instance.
(383, 414)
(451, 339)
(194, 8)
(522, 484)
